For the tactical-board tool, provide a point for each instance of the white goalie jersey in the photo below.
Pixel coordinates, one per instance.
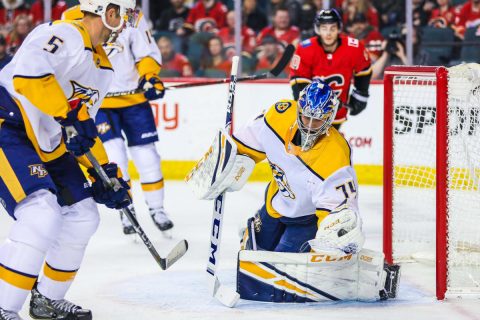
(303, 183)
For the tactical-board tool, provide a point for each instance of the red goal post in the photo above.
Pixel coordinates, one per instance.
(431, 115)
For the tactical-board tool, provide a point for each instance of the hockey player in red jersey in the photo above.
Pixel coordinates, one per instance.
(336, 59)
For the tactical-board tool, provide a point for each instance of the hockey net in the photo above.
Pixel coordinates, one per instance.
(432, 172)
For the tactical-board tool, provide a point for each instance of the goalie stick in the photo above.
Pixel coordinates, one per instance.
(274, 72)
(225, 295)
(176, 253)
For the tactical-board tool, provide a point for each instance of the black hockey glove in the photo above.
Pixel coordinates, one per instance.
(116, 197)
(358, 102)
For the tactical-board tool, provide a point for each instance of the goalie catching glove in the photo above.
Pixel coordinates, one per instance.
(220, 169)
(339, 232)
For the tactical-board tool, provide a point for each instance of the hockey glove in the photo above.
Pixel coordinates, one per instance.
(153, 86)
(116, 197)
(358, 102)
(79, 130)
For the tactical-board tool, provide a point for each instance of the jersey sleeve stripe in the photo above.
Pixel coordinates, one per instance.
(253, 153)
(32, 77)
(296, 80)
(364, 72)
(7, 174)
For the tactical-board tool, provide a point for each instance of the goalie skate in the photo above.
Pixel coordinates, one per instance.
(42, 307)
(9, 315)
(391, 282)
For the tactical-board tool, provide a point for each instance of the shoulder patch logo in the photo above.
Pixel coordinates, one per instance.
(282, 106)
(103, 127)
(352, 42)
(88, 95)
(306, 43)
(295, 62)
(281, 180)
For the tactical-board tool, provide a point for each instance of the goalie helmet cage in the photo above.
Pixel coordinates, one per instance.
(432, 172)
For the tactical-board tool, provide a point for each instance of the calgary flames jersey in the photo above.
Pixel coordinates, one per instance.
(337, 68)
(56, 63)
(303, 183)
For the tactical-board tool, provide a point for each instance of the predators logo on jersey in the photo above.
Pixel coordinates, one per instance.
(38, 170)
(282, 106)
(113, 48)
(88, 95)
(281, 179)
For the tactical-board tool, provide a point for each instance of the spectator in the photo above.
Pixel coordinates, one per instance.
(157, 7)
(468, 17)
(58, 7)
(227, 34)
(4, 56)
(9, 10)
(215, 58)
(371, 38)
(281, 29)
(391, 12)
(394, 53)
(254, 17)
(173, 63)
(421, 12)
(353, 7)
(173, 18)
(269, 55)
(21, 28)
(443, 16)
(308, 13)
(206, 16)
(292, 6)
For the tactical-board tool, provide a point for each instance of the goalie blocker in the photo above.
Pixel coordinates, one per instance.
(314, 277)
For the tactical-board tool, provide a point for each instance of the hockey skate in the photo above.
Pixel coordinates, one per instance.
(161, 220)
(9, 315)
(127, 225)
(42, 307)
(391, 282)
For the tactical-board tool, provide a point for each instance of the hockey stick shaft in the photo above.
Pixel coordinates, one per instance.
(163, 262)
(274, 72)
(224, 295)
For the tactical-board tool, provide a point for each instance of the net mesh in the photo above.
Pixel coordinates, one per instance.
(414, 156)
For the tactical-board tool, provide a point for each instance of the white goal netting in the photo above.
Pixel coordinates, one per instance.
(414, 182)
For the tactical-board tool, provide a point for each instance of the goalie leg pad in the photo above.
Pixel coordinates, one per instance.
(304, 277)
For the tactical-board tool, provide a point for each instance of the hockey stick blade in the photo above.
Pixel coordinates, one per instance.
(175, 254)
(225, 295)
(284, 60)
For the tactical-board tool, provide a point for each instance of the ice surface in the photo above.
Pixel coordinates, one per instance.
(120, 280)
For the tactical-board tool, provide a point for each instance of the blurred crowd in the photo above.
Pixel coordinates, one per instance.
(196, 38)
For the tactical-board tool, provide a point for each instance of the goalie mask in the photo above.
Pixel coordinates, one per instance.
(316, 110)
(127, 12)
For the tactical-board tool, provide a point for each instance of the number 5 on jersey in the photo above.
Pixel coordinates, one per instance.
(53, 44)
(348, 189)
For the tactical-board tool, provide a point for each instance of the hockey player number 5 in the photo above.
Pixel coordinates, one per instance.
(53, 44)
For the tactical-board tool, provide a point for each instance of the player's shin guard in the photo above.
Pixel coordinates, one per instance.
(147, 161)
(22, 254)
(64, 257)
(117, 152)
